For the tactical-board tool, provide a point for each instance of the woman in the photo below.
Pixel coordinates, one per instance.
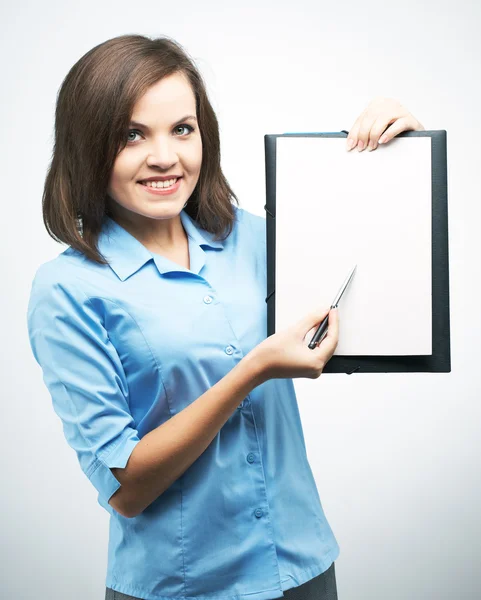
(150, 329)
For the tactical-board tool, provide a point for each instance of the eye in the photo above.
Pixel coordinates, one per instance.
(130, 132)
(189, 128)
(183, 126)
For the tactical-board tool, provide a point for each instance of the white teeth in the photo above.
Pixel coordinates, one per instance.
(160, 184)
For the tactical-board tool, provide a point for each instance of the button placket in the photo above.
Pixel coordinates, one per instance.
(228, 349)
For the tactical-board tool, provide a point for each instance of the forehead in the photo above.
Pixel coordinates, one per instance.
(172, 96)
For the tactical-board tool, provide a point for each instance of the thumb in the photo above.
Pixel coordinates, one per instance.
(329, 342)
(312, 319)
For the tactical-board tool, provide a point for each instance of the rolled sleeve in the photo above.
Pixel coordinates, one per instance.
(86, 380)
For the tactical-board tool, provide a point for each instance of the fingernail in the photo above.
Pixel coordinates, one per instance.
(382, 139)
(360, 145)
(350, 143)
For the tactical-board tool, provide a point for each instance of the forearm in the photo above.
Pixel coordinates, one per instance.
(166, 452)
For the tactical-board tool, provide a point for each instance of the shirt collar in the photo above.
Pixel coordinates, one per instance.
(126, 254)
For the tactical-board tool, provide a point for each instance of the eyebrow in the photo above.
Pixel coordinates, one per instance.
(147, 128)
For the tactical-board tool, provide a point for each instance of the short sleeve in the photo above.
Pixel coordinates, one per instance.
(85, 378)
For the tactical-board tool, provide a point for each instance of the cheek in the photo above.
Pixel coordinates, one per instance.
(122, 173)
(120, 181)
(192, 158)
(115, 186)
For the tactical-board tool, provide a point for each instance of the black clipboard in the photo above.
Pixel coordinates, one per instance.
(440, 359)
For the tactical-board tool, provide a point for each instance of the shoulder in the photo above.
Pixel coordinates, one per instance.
(61, 270)
(56, 288)
(255, 224)
(69, 270)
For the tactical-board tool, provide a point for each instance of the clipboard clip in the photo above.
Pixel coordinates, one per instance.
(268, 211)
(354, 370)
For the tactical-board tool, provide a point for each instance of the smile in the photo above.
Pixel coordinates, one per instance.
(171, 186)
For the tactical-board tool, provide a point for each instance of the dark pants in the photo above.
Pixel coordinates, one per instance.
(322, 587)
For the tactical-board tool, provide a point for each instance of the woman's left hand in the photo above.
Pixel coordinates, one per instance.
(372, 122)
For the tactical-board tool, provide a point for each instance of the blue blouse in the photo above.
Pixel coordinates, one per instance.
(123, 347)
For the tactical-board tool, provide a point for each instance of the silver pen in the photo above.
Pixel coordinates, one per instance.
(322, 329)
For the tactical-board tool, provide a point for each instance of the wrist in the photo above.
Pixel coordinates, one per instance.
(258, 366)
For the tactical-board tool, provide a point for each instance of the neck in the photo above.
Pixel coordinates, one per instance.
(166, 235)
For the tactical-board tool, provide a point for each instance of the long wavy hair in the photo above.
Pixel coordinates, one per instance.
(93, 112)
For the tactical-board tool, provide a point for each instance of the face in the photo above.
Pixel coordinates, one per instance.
(163, 142)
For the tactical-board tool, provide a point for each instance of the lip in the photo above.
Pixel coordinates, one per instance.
(161, 192)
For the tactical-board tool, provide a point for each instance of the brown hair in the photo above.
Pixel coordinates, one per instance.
(94, 108)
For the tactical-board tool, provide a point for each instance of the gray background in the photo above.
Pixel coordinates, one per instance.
(395, 456)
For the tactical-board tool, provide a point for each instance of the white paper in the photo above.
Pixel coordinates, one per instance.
(336, 209)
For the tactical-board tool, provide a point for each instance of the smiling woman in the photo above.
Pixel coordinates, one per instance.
(158, 163)
(150, 330)
(143, 112)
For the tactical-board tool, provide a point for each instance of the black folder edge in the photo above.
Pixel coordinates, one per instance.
(440, 359)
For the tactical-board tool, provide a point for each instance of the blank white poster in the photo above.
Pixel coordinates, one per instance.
(336, 209)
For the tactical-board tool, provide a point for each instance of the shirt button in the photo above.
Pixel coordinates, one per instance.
(258, 513)
(229, 350)
(207, 299)
(251, 457)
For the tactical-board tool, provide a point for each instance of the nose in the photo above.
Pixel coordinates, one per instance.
(162, 153)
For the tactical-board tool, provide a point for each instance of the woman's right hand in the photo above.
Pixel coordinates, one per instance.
(286, 354)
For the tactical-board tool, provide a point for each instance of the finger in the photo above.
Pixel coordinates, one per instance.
(312, 320)
(353, 133)
(309, 335)
(399, 125)
(364, 131)
(332, 330)
(377, 129)
(329, 342)
(333, 324)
